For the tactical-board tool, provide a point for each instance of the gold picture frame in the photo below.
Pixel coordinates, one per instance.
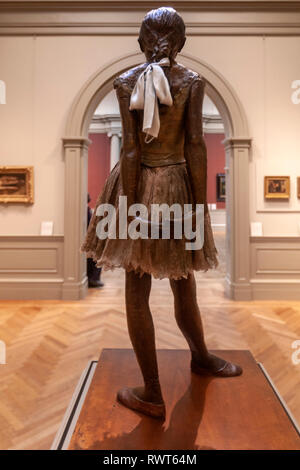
(277, 187)
(16, 184)
(298, 187)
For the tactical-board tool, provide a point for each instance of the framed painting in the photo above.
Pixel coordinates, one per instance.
(277, 187)
(16, 184)
(298, 187)
(221, 187)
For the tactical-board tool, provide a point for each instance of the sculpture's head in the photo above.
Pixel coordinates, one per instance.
(162, 34)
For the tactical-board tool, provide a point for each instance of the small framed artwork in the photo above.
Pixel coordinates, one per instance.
(298, 187)
(221, 187)
(277, 187)
(16, 184)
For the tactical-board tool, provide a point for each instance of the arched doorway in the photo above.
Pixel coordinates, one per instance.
(237, 145)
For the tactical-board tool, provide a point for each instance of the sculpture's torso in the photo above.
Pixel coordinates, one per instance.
(169, 145)
(159, 179)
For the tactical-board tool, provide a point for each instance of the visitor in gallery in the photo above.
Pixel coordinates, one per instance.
(93, 273)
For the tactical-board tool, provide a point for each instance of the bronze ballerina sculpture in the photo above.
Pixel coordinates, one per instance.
(163, 161)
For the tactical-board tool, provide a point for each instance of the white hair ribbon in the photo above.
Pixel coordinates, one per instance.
(151, 85)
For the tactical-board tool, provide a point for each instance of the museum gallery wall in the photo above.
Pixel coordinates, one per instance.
(44, 71)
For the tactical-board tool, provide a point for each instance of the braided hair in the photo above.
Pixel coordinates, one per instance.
(162, 34)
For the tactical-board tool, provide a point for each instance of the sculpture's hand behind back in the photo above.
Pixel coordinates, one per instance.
(130, 153)
(195, 148)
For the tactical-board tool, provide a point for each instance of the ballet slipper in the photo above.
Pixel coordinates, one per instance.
(228, 370)
(127, 397)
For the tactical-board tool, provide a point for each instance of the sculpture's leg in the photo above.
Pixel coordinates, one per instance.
(147, 399)
(188, 318)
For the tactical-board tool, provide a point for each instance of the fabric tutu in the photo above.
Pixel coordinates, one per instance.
(162, 258)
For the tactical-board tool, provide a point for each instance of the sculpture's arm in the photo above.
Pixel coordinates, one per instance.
(194, 147)
(130, 152)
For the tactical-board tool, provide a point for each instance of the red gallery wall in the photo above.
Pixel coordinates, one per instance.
(99, 165)
(215, 164)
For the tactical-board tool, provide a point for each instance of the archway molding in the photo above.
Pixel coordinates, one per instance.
(237, 146)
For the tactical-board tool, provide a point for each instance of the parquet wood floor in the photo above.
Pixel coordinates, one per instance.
(50, 342)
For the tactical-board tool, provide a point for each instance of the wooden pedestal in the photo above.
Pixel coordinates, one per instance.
(202, 412)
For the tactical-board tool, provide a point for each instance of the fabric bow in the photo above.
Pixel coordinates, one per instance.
(151, 85)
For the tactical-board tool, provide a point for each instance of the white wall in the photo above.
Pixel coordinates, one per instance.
(110, 105)
(44, 74)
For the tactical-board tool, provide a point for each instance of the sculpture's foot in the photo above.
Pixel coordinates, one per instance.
(129, 398)
(213, 365)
